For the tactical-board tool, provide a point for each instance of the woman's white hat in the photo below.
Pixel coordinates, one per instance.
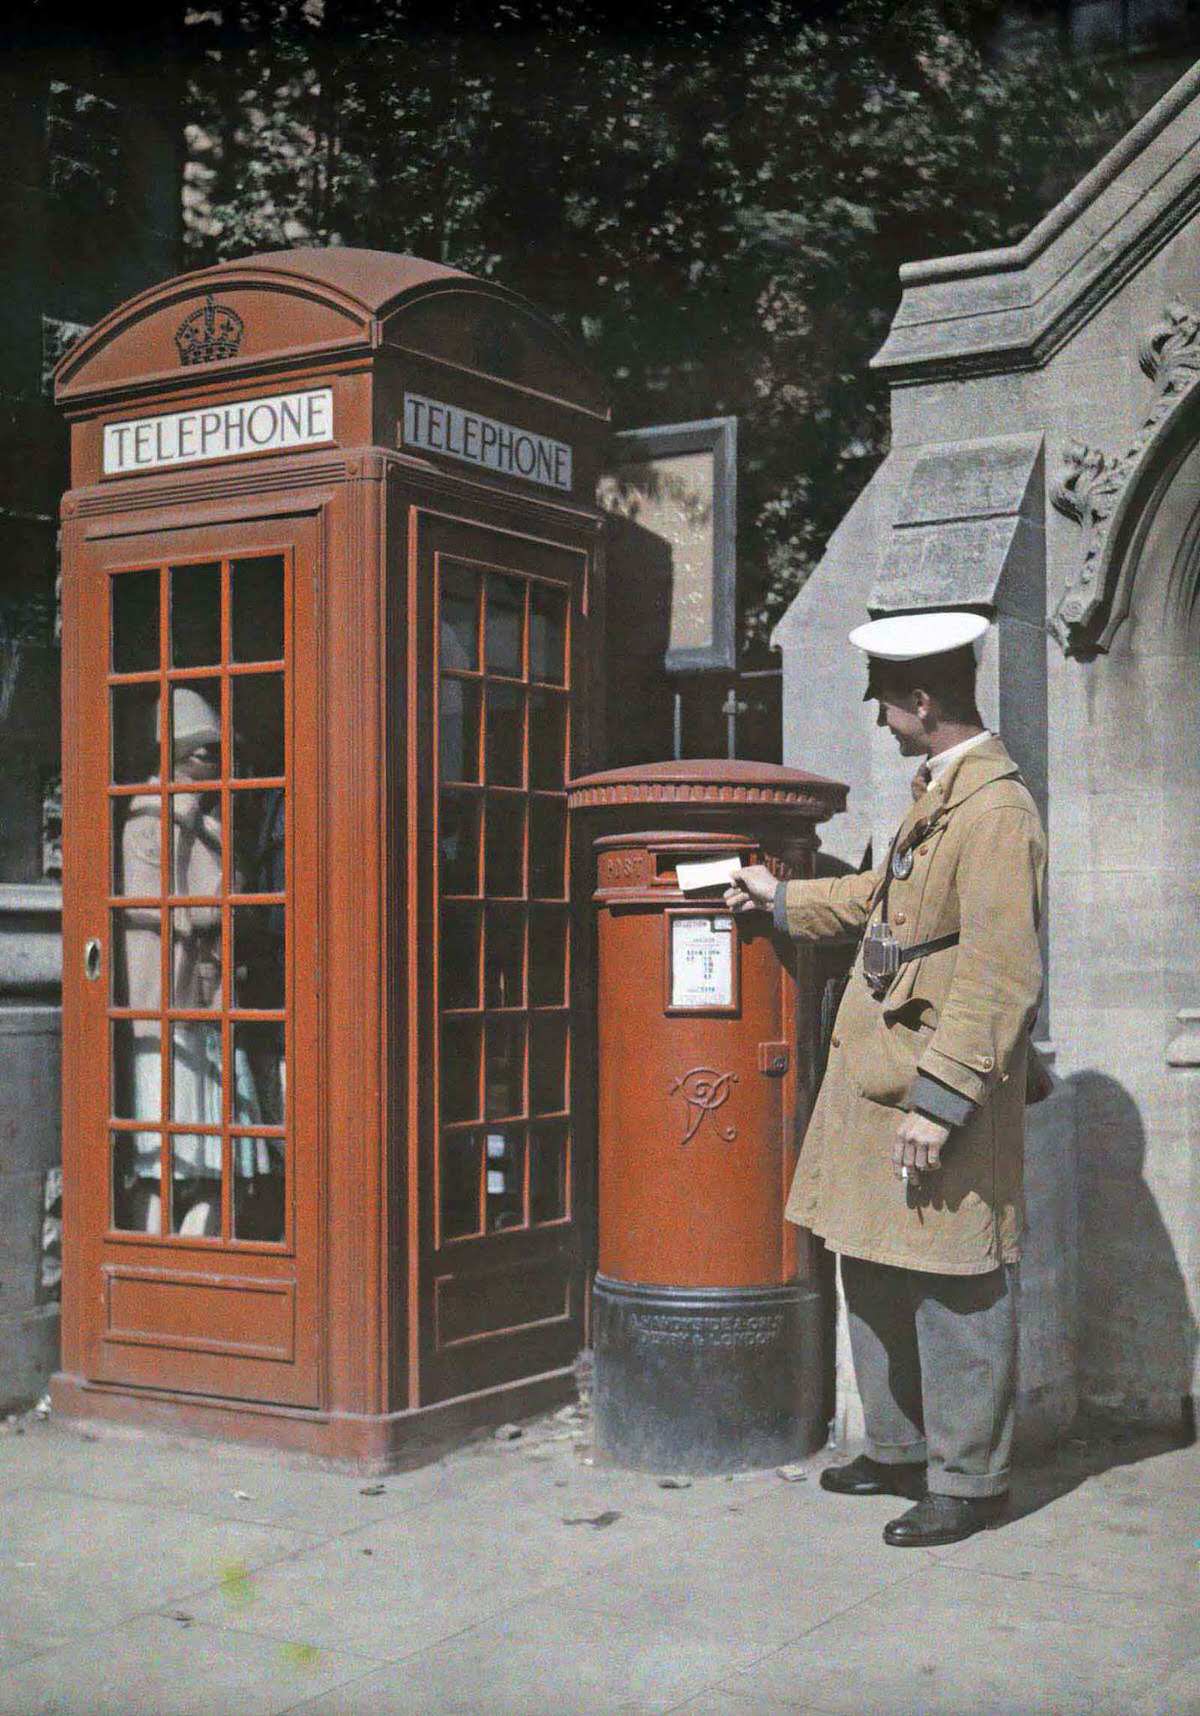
(908, 637)
(194, 721)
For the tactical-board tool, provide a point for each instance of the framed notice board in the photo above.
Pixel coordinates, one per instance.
(678, 483)
(701, 965)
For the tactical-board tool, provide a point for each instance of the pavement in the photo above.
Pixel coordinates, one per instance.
(524, 1577)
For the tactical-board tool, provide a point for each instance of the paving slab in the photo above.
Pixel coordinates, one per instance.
(732, 1701)
(1113, 1538)
(550, 1655)
(153, 1666)
(947, 1641)
(1177, 1695)
(70, 1566)
(249, 1486)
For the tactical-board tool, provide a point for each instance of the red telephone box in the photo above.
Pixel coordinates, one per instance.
(332, 613)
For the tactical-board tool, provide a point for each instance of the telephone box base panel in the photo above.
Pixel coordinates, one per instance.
(707, 1379)
(342, 1441)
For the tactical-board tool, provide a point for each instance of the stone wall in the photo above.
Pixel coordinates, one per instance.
(1082, 333)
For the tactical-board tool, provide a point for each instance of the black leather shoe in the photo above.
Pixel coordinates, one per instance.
(943, 1519)
(867, 1477)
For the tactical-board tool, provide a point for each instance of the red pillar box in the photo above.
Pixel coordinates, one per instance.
(706, 1306)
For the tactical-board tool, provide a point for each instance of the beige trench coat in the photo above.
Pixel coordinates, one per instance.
(961, 1015)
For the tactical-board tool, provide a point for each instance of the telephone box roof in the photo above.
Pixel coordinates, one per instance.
(292, 306)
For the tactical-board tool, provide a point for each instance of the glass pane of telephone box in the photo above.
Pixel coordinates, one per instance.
(460, 1070)
(547, 956)
(548, 1063)
(259, 1210)
(458, 843)
(459, 956)
(136, 943)
(137, 845)
(258, 734)
(547, 635)
(505, 1070)
(136, 1069)
(259, 957)
(504, 642)
(458, 730)
(135, 748)
(259, 817)
(137, 1182)
(195, 616)
(504, 870)
(196, 1184)
(256, 590)
(458, 1168)
(196, 1073)
(135, 621)
(196, 844)
(259, 1072)
(547, 1173)
(505, 763)
(504, 956)
(547, 740)
(196, 730)
(460, 618)
(547, 847)
(196, 957)
(504, 1185)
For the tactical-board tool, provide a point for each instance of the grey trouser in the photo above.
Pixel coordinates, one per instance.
(936, 1362)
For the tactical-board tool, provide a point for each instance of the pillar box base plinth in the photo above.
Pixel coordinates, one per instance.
(706, 1379)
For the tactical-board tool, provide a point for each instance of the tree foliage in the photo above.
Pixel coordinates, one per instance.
(713, 199)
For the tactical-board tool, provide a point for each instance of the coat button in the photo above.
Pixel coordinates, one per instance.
(835, 1042)
(900, 918)
(924, 850)
(986, 1062)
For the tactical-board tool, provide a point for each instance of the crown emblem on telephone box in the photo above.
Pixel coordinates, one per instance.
(211, 332)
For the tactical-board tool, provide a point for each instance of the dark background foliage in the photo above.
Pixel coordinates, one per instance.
(714, 199)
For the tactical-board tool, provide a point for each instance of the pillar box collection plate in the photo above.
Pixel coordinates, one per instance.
(707, 1306)
(333, 623)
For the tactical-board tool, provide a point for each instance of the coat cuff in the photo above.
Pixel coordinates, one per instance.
(969, 1081)
(937, 1101)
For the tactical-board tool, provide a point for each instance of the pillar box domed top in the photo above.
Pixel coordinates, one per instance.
(710, 791)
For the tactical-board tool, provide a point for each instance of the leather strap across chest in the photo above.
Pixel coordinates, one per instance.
(919, 949)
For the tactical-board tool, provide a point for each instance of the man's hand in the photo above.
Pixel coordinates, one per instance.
(751, 890)
(918, 1144)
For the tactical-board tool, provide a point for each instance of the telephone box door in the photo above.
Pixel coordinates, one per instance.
(505, 1157)
(192, 1040)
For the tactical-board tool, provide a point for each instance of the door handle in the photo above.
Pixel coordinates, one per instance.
(91, 959)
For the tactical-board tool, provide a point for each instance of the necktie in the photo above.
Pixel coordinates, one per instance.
(921, 780)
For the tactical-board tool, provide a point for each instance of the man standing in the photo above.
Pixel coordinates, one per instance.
(911, 1166)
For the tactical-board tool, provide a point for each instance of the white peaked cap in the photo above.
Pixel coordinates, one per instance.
(908, 637)
(194, 721)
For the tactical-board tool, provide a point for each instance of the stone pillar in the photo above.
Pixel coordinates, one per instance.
(30, 1134)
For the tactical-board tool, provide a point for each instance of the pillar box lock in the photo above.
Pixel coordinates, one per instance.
(706, 1305)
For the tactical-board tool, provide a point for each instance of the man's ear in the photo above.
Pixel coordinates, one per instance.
(924, 705)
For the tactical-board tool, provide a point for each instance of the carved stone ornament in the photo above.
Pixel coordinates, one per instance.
(212, 332)
(1091, 484)
(705, 1091)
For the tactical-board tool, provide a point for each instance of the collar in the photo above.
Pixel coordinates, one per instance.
(975, 764)
(939, 764)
